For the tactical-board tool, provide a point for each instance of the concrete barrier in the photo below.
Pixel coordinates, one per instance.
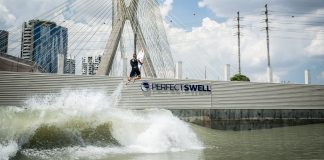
(249, 119)
(221, 105)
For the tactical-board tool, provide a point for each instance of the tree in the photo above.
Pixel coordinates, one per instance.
(240, 77)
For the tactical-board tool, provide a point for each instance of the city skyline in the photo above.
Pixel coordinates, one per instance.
(208, 27)
(43, 42)
(3, 41)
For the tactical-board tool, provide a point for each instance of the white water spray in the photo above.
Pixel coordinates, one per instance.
(137, 131)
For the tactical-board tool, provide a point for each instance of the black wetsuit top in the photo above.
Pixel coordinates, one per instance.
(134, 63)
(135, 70)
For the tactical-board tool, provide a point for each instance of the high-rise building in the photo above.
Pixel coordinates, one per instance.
(69, 66)
(4, 41)
(44, 42)
(90, 65)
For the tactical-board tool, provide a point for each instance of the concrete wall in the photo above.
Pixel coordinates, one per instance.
(226, 105)
(16, 88)
(14, 64)
(249, 119)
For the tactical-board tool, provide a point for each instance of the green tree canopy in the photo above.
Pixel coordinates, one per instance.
(240, 77)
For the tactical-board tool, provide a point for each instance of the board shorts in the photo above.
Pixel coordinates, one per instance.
(135, 72)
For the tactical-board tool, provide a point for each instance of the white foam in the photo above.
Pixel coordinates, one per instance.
(95, 152)
(153, 131)
(8, 150)
(145, 131)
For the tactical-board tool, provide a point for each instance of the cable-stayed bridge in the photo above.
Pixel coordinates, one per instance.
(148, 31)
(113, 29)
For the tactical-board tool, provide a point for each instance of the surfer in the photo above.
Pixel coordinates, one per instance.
(135, 72)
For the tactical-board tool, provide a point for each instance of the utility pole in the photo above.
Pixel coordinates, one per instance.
(267, 29)
(239, 42)
(268, 44)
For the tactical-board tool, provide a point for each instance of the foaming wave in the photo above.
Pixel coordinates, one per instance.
(8, 150)
(153, 131)
(90, 117)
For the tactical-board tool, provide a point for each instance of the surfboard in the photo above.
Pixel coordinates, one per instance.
(140, 57)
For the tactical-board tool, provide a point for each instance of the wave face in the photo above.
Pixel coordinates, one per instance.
(85, 124)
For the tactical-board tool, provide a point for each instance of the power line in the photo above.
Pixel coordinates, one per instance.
(298, 13)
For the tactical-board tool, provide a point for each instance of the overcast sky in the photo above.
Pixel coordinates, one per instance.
(201, 34)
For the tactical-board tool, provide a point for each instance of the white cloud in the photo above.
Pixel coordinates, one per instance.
(6, 17)
(213, 45)
(228, 8)
(196, 49)
(166, 7)
(26, 10)
(225, 8)
(316, 47)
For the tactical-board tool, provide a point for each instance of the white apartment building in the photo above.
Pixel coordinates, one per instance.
(69, 66)
(90, 65)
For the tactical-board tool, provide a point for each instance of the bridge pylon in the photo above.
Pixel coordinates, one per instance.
(125, 13)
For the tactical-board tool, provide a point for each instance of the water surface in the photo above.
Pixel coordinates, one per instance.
(85, 125)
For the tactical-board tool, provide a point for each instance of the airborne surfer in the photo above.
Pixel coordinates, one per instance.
(135, 70)
(136, 63)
